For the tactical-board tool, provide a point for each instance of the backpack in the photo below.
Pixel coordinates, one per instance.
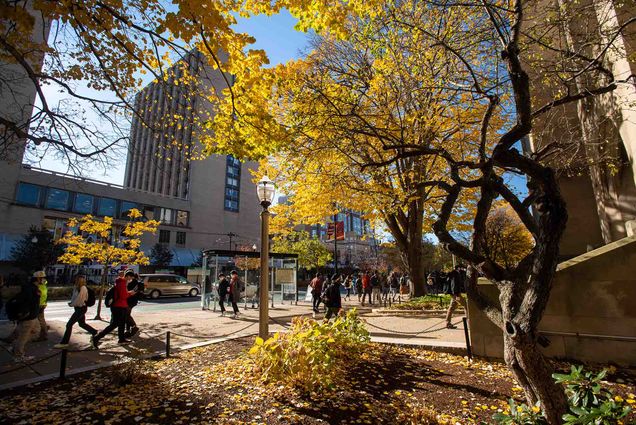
(21, 308)
(110, 297)
(90, 300)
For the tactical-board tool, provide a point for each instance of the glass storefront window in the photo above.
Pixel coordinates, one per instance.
(29, 194)
(57, 199)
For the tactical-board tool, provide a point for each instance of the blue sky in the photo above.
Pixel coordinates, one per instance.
(274, 34)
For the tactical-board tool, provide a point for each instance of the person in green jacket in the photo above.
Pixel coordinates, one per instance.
(41, 284)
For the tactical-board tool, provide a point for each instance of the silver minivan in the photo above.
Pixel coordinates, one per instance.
(157, 285)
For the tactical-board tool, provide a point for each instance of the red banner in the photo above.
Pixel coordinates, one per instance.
(339, 227)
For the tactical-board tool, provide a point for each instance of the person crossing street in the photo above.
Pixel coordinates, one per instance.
(78, 302)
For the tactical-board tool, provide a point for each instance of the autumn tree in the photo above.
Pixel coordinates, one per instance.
(507, 240)
(96, 242)
(312, 253)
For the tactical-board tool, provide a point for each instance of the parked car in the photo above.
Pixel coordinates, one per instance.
(157, 285)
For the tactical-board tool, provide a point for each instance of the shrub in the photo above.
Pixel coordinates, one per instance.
(589, 402)
(312, 354)
(427, 302)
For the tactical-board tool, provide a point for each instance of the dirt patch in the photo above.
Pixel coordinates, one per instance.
(214, 384)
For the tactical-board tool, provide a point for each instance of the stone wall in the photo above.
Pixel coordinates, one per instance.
(591, 315)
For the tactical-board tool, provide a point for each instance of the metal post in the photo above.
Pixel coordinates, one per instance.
(63, 364)
(215, 277)
(263, 314)
(468, 349)
(168, 344)
(245, 281)
(204, 275)
(271, 287)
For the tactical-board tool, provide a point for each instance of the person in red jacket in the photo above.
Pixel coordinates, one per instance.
(119, 310)
(366, 288)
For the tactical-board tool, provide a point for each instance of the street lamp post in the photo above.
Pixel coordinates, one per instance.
(265, 190)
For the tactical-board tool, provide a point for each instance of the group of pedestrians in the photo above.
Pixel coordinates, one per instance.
(228, 291)
(28, 306)
(326, 290)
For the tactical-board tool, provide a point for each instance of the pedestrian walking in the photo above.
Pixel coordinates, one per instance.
(404, 285)
(207, 287)
(454, 287)
(358, 285)
(332, 297)
(24, 309)
(40, 277)
(223, 289)
(135, 287)
(236, 287)
(375, 287)
(367, 289)
(79, 301)
(394, 285)
(118, 310)
(347, 286)
(316, 291)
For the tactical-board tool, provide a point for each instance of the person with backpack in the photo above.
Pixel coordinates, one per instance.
(135, 288)
(40, 277)
(455, 282)
(24, 309)
(80, 302)
(394, 285)
(333, 300)
(118, 309)
(223, 288)
(236, 287)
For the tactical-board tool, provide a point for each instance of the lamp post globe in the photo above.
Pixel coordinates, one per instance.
(265, 190)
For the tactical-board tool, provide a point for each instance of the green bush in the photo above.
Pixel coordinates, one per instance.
(427, 302)
(312, 354)
(589, 402)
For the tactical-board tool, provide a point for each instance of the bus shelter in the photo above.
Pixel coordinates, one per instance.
(283, 272)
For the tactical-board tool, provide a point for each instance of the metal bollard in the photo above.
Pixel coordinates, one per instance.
(467, 336)
(63, 364)
(168, 344)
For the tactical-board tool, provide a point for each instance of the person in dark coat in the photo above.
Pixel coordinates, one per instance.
(455, 283)
(135, 287)
(236, 287)
(333, 300)
(224, 289)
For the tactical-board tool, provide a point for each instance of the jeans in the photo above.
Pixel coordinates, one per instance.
(117, 320)
(315, 301)
(331, 311)
(24, 331)
(130, 322)
(78, 316)
(221, 301)
(43, 328)
(365, 295)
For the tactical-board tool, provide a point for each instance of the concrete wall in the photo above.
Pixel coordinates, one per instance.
(593, 294)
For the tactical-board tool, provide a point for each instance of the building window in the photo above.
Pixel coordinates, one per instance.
(181, 238)
(107, 207)
(57, 199)
(164, 236)
(182, 218)
(126, 206)
(57, 226)
(357, 225)
(83, 203)
(29, 194)
(166, 216)
(232, 183)
(149, 213)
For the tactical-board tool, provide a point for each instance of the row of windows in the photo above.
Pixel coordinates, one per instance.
(232, 183)
(83, 203)
(164, 237)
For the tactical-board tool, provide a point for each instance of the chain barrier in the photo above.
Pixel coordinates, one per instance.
(213, 336)
(28, 364)
(425, 331)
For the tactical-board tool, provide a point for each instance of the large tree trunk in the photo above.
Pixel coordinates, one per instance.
(416, 269)
(534, 375)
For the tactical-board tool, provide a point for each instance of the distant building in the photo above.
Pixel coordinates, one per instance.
(202, 204)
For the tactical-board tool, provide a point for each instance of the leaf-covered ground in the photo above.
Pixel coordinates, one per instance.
(215, 384)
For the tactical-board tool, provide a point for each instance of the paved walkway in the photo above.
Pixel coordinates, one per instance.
(190, 326)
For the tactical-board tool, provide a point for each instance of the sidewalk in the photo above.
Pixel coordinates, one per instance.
(190, 326)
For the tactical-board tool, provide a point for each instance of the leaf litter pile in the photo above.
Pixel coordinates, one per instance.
(217, 384)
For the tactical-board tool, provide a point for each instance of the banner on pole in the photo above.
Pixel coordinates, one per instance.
(337, 228)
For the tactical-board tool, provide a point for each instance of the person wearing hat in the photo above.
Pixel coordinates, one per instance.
(41, 283)
(223, 288)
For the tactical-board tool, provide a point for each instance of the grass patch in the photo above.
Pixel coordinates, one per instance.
(427, 302)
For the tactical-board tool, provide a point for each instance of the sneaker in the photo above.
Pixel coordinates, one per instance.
(450, 326)
(235, 316)
(94, 343)
(134, 331)
(61, 346)
(124, 342)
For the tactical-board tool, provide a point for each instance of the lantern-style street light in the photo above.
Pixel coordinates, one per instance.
(265, 190)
